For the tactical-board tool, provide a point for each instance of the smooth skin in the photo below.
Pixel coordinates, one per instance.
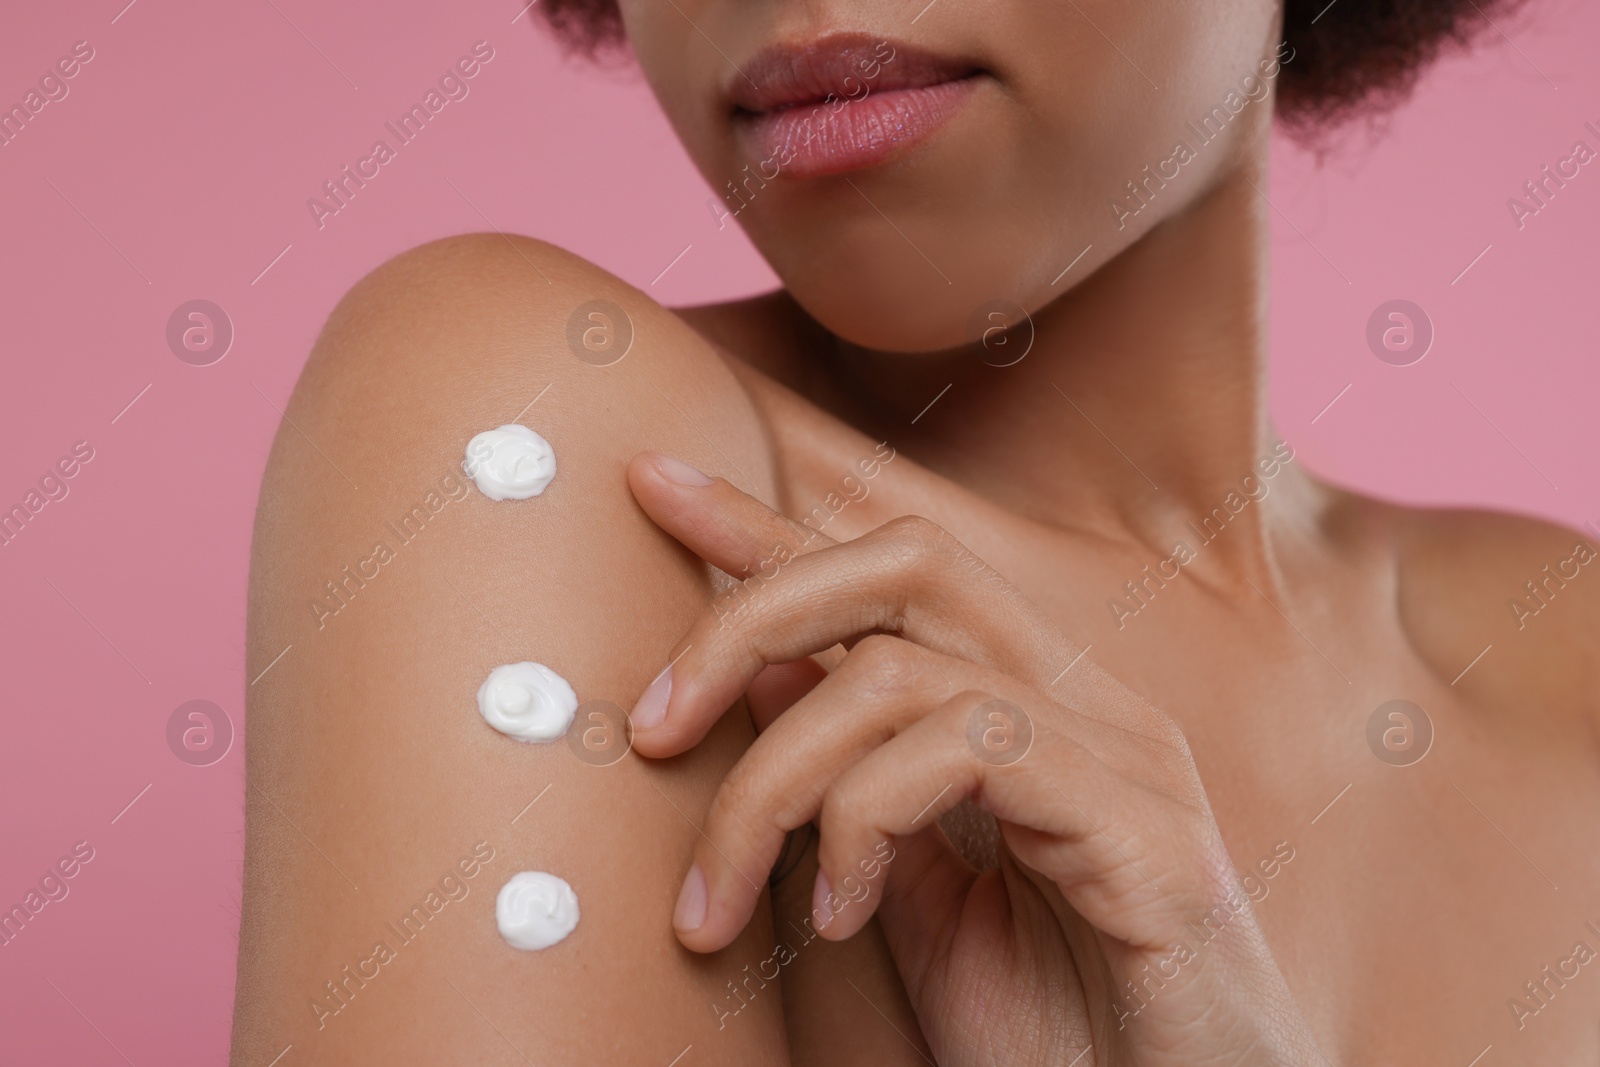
(1418, 900)
(1116, 856)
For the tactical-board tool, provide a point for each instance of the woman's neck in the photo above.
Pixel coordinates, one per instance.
(1142, 403)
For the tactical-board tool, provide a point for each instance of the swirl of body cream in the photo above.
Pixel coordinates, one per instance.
(535, 910)
(528, 701)
(510, 463)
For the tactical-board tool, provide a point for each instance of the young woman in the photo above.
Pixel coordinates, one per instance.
(1052, 713)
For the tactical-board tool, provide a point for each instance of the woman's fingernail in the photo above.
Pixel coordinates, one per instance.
(652, 706)
(821, 914)
(690, 914)
(676, 470)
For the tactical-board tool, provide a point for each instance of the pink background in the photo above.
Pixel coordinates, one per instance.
(191, 143)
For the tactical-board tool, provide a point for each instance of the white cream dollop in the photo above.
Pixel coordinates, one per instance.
(510, 463)
(528, 701)
(535, 910)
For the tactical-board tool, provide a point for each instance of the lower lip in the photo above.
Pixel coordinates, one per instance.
(814, 141)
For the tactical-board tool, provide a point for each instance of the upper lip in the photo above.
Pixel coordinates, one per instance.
(788, 75)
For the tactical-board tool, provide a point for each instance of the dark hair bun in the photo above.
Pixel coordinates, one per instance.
(1355, 56)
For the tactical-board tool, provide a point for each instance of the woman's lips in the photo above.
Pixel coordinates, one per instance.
(815, 141)
(843, 103)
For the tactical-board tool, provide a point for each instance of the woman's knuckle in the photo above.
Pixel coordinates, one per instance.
(912, 526)
(886, 664)
(878, 650)
(916, 539)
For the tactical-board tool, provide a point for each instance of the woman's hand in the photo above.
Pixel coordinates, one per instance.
(1115, 920)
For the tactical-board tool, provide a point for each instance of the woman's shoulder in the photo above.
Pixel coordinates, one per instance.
(485, 326)
(1505, 607)
(385, 588)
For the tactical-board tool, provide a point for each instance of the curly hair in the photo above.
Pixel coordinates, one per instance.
(1350, 56)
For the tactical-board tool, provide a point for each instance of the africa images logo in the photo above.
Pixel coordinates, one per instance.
(340, 190)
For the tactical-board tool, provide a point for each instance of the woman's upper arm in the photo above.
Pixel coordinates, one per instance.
(384, 814)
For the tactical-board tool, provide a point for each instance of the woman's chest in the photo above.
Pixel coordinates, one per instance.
(1426, 870)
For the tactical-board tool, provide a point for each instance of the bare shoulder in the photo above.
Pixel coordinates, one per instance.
(1523, 592)
(482, 320)
(384, 813)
